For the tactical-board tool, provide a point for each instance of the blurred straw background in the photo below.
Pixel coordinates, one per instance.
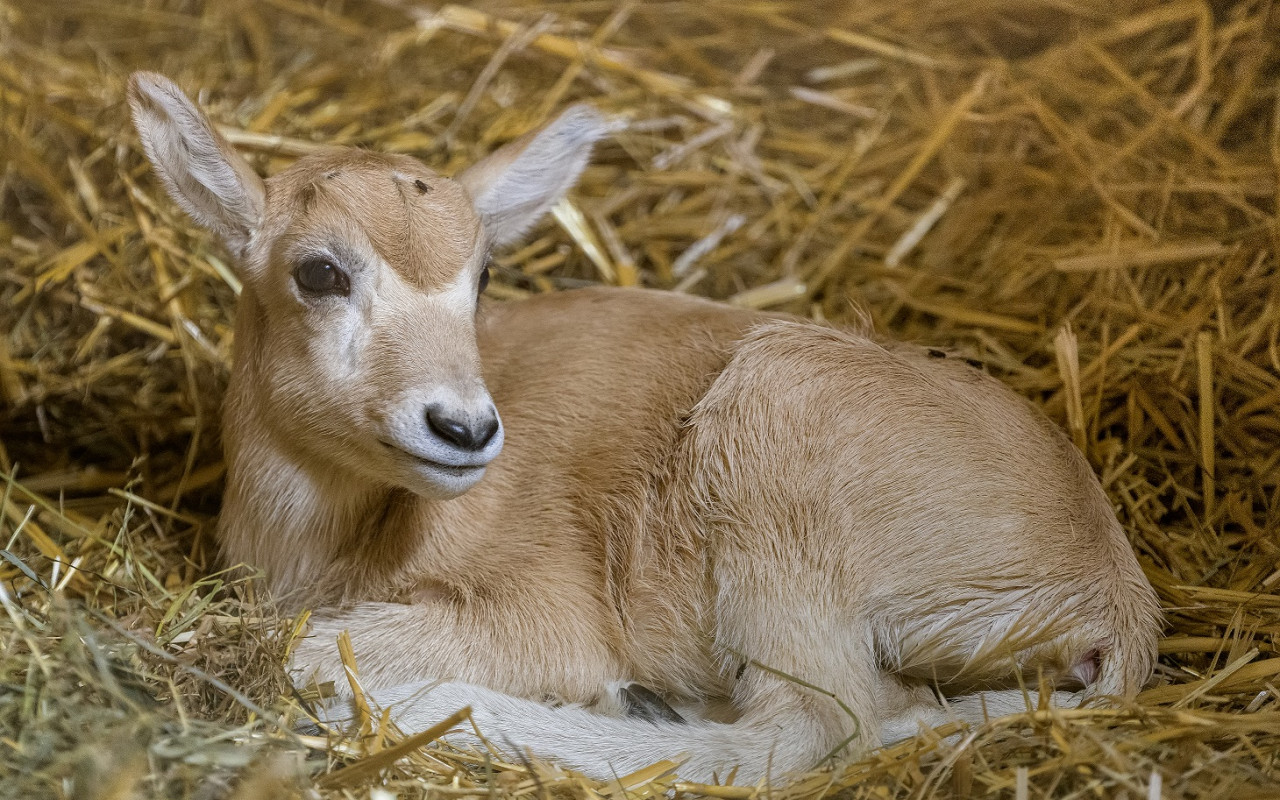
(1080, 195)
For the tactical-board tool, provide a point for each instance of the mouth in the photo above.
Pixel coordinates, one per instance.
(452, 470)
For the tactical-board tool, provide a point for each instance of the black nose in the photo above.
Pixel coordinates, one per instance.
(460, 433)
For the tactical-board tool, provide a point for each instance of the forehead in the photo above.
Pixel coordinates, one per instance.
(422, 225)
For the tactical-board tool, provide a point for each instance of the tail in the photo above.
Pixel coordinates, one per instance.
(1127, 660)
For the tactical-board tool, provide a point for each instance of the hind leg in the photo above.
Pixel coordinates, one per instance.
(916, 708)
(810, 668)
(981, 707)
(806, 725)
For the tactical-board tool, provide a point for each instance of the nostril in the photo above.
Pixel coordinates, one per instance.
(460, 433)
(447, 428)
(485, 429)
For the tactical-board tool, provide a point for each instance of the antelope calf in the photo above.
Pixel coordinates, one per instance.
(523, 506)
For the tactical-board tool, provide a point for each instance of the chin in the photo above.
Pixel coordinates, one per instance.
(440, 485)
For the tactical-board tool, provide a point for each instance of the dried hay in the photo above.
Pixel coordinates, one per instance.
(1082, 196)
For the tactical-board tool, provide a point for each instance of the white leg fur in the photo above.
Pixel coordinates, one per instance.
(974, 709)
(605, 747)
(599, 746)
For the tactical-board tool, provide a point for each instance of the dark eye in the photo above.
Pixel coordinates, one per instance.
(320, 277)
(484, 278)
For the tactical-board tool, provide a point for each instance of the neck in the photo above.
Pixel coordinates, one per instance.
(291, 517)
(291, 522)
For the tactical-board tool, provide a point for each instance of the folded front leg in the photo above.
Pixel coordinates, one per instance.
(396, 644)
(603, 747)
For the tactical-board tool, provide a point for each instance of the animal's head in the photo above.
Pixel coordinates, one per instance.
(363, 271)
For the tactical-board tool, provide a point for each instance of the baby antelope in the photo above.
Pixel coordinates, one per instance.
(523, 506)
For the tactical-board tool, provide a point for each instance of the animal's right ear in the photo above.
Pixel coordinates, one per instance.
(202, 172)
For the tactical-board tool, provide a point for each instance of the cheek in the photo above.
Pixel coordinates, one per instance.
(319, 373)
(340, 348)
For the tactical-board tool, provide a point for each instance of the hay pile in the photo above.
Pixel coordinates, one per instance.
(1083, 196)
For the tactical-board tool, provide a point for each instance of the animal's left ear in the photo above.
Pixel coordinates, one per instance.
(517, 184)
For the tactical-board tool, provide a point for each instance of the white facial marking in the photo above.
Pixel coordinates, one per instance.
(461, 293)
(449, 382)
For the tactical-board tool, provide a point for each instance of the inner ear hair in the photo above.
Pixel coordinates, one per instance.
(201, 171)
(520, 182)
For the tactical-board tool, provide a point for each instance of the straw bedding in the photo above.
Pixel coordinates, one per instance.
(1080, 195)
